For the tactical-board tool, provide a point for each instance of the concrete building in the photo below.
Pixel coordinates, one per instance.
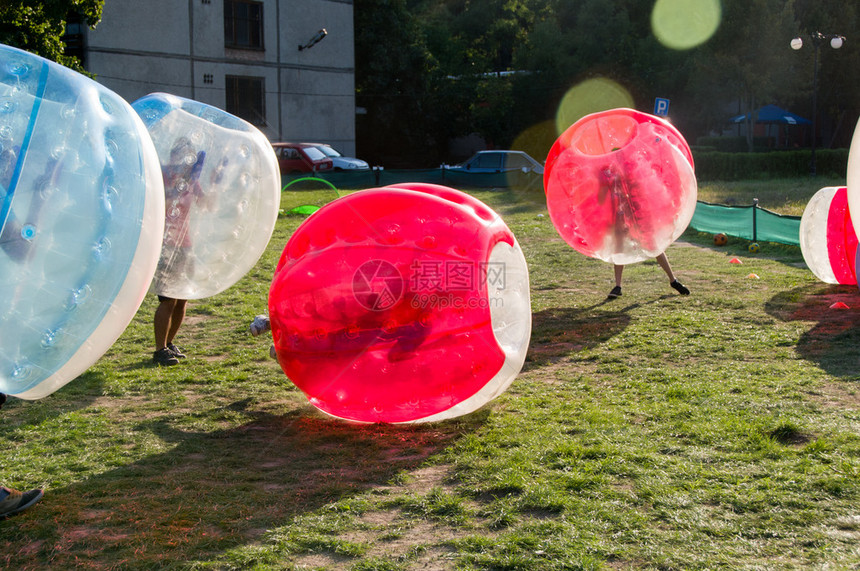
(286, 66)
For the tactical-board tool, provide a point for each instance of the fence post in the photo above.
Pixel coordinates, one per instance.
(755, 208)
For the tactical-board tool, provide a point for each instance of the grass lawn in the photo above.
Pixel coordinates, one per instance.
(654, 431)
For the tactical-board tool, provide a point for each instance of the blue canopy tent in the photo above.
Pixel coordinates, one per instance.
(771, 118)
(773, 115)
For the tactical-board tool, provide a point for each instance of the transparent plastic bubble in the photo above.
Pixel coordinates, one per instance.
(206, 155)
(827, 238)
(390, 331)
(853, 185)
(72, 273)
(620, 185)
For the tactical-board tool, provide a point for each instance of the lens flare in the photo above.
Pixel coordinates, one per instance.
(685, 24)
(536, 140)
(590, 96)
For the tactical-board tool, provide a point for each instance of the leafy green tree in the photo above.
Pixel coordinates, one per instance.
(448, 68)
(395, 75)
(38, 26)
(746, 62)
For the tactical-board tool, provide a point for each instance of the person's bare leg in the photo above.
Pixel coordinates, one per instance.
(664, 263)
(162, 322)
(176, 318)
(673, 281)
(616, 291)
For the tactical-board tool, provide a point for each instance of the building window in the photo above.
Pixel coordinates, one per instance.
(243, 24)
(74, 37)
(246, 98)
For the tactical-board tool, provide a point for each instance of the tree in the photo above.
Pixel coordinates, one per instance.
(38, 26)
(747, 61)
(394, 83)
(446, 68)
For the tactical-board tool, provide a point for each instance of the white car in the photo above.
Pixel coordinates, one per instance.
(340, 162)
(499, 161)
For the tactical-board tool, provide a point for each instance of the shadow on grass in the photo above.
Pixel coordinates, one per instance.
(79, 394)
(213, 491)
(832, 343)
(557, 332)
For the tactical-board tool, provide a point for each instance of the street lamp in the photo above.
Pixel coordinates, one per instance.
(314, 40)
(817, 39)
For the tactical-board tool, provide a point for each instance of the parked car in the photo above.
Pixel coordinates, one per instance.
(295, 158)
(499, 161)
(340, 162)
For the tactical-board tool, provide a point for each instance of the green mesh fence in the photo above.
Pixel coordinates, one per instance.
(750, 222)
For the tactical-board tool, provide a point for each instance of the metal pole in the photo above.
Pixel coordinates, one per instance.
(817, 38)
(755, 229)
(816, 41)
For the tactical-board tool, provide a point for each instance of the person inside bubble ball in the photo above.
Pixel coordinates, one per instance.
(10, 237)
(12, 501)
(182, 190)
(619, 192)
(16, 237)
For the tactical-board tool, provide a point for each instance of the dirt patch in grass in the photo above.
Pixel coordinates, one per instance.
(195, 320)
(392, 535)
(427, 478)
(842, 395)
(378, 519)
(113, 403)
(322, 561)
(421, 534)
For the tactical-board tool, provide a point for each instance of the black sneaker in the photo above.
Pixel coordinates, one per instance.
(680, 288)
(16, 501)
(177, 352)
(164, 357)
(616, 292)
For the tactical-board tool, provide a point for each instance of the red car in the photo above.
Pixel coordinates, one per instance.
(295, 158)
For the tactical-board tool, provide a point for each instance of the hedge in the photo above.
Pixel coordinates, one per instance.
(730, 144)
(716, 165)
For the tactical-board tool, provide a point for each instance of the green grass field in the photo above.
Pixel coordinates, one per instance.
(719, 430)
